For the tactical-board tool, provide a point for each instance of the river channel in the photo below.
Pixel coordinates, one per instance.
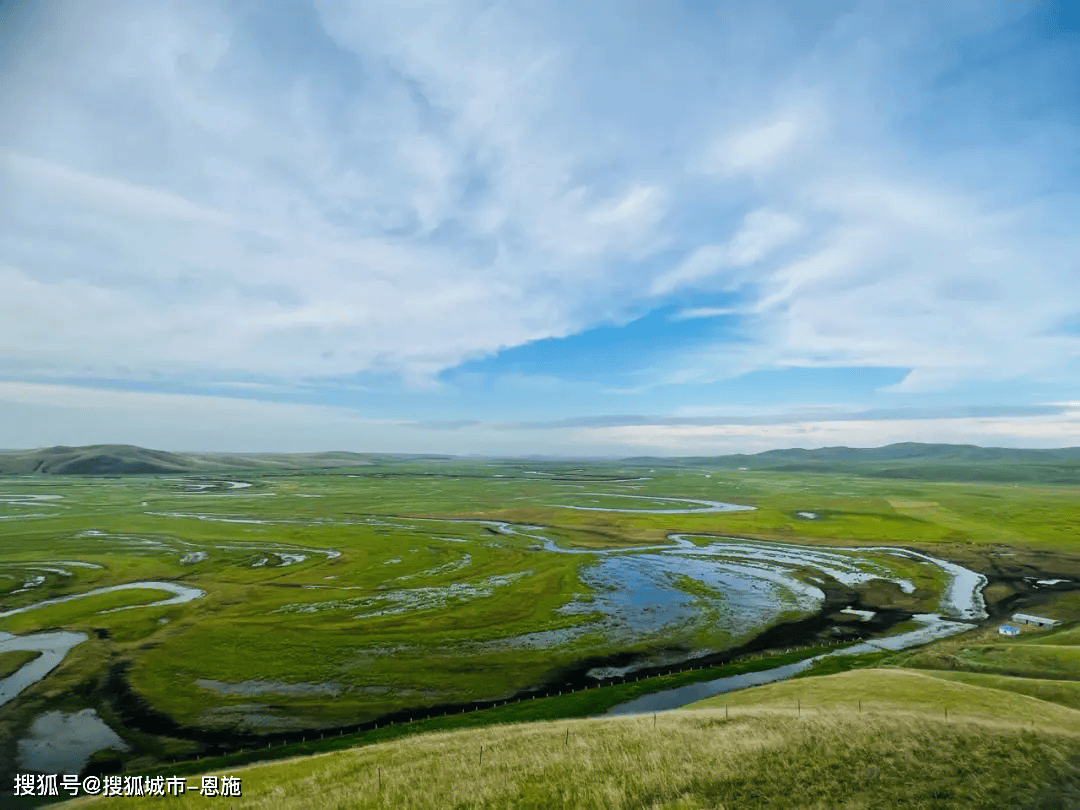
(638, 593)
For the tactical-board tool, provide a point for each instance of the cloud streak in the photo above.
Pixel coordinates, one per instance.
(205, 194)
(73, 414)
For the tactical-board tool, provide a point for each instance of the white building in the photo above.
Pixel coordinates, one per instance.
(1008, 630)
(1038, 621)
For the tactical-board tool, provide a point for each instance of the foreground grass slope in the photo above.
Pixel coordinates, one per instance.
(761, 753)
(1064, 692)
(901, 691)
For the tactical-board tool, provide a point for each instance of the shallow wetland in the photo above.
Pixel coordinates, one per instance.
(186, 616)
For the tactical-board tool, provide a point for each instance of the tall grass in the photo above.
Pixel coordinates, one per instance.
(690, 759)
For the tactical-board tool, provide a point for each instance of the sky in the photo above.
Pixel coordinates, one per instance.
(560, 228)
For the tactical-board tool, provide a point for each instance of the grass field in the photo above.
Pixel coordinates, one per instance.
(899, 690)
(12, 661)
(337, 597)
(755, 751)
(1065, 693)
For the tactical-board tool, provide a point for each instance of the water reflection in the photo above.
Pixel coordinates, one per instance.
(59, 742)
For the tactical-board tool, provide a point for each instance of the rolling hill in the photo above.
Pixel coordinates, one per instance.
(912, 460)
(125, 459)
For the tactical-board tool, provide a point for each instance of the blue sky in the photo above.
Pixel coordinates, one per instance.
(549, 227)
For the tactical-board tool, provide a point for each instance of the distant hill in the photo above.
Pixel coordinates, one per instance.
(911, 460)
(126, 459)
(927, 462)
(97, 459)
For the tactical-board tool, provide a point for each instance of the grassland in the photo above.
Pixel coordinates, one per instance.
(14, 660)
(1063, 692)
(895, 691)
(755, 751)
(405, 599)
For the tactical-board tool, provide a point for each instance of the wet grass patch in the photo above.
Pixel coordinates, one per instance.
(14, 660)
(578, 704)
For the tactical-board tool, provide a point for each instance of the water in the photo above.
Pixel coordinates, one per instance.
(181, 594)
(53, 647)
(749, 585)
(934, 627)
(59, 742)
(251, 688)
(693, 692)
(29, 500)
(703, 505)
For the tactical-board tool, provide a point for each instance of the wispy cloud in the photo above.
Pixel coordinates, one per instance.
(78, 414)
(313, 194)
(691, 313)
(796, 417)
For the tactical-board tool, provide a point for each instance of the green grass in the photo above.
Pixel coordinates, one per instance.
(689, 759)
(1064, 693)
(1069, 636)
(13, 661)
(84, 612)
(894, 690)
(1021, 660)
(454, 648)
(579, 704)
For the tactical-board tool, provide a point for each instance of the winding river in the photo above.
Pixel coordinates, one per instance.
(637, 593)
(54, 647)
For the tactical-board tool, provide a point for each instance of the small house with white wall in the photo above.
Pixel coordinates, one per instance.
(1008, 630)
(1038, 621)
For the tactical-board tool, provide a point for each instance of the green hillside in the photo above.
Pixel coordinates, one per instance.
(124, 459)
(905, 691)
(910, 460)
(995, 750)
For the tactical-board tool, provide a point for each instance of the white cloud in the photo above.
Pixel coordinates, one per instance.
(40, 414)
(400, 214)
(757, 149)
(43, 414)
(761, 233)
(116, 197)
(705, 312)
(409, 185)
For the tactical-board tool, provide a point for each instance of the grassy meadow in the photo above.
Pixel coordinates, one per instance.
(336, 597)
(754, 749)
